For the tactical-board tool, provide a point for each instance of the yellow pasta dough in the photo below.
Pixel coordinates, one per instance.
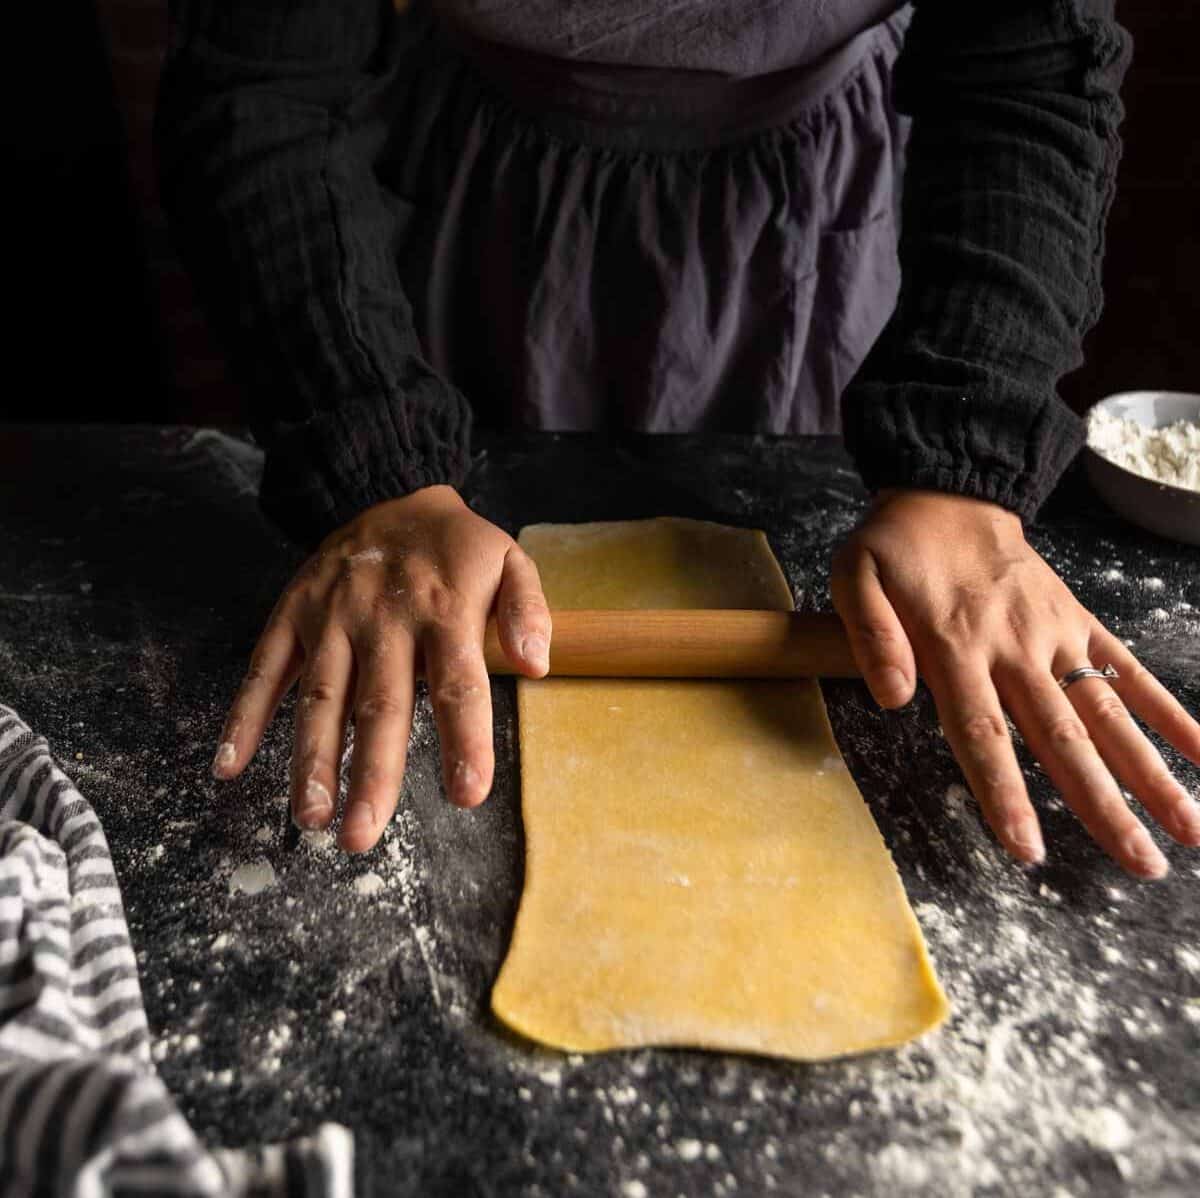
(700, 868)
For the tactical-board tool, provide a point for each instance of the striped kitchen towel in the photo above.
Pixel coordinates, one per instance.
(82, 1112)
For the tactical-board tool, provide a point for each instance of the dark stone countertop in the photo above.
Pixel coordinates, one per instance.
(135, 574)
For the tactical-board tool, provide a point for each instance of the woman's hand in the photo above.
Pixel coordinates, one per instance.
(407, 586)
(949, 586)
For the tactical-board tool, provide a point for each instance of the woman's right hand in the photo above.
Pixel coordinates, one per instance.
(404, 588)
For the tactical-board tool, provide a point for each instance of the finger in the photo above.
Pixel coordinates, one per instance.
(1144, 695)
(1133, 759)
(383, 707)
(878, 641)
(1060, 741)
(321, 711)
(274, 667)
(462, 709)
(522, 616)
(977, 732)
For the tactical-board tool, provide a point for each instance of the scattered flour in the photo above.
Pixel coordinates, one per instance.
(1017, 1076)
(320, 840)
(278, 1038)
(1105, 1128)
(371, 555)
(1188, 958)
(369, 883)
(253, 877)
(1167, 455)
(901, 1167)
(1153, 584)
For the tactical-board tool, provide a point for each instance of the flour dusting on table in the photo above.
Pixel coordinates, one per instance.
(253, 877)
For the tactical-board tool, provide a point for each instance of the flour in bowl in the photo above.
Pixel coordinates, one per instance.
(1170, 454)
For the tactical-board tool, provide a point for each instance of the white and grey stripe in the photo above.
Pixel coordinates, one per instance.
(82, 1112)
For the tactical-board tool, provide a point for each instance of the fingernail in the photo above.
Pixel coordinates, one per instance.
(224, 758)
(315, 805)
(1146, 854)
(464, 782)
(360, 818)
(893, 685)
(535, 649)
(1027, 840)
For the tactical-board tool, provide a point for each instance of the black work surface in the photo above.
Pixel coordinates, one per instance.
(135, 574)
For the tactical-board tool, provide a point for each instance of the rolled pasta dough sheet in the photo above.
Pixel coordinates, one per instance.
(700, 868)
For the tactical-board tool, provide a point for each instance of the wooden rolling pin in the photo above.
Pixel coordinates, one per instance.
(690, 644)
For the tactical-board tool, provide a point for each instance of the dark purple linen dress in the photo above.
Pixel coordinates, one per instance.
(709, 244)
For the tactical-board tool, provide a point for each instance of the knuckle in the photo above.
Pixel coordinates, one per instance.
(1002, 797)
(379, 706)
(525, 609)
(994, 780)
(520, 558)
(455, 693)
(959, 627)
(528, 614)
(878, 638)
(389, 603)
(308, 572)
(318, 692)
(965, 621)
(1066, 730)
(983, 729)
(1109, 709)
(437, 603)
(1115, 815)
(311, 763)
(255, 675)
(373, 777)
(1160, 782)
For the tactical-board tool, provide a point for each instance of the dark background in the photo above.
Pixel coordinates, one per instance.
(102, 324)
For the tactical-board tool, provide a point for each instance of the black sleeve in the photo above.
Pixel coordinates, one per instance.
(267, 129)
(1009, 179)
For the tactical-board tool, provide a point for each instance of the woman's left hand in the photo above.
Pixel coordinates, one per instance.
(948, 586)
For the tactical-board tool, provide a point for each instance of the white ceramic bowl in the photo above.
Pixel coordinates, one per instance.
(1172, 512)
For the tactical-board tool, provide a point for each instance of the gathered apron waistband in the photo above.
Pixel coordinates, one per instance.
(650, 108)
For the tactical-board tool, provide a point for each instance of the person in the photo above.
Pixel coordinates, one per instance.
(788, 218)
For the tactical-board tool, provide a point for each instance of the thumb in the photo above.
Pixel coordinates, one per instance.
(522, 615)
(878, 641)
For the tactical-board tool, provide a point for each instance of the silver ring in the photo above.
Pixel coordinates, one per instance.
(1109, 671)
